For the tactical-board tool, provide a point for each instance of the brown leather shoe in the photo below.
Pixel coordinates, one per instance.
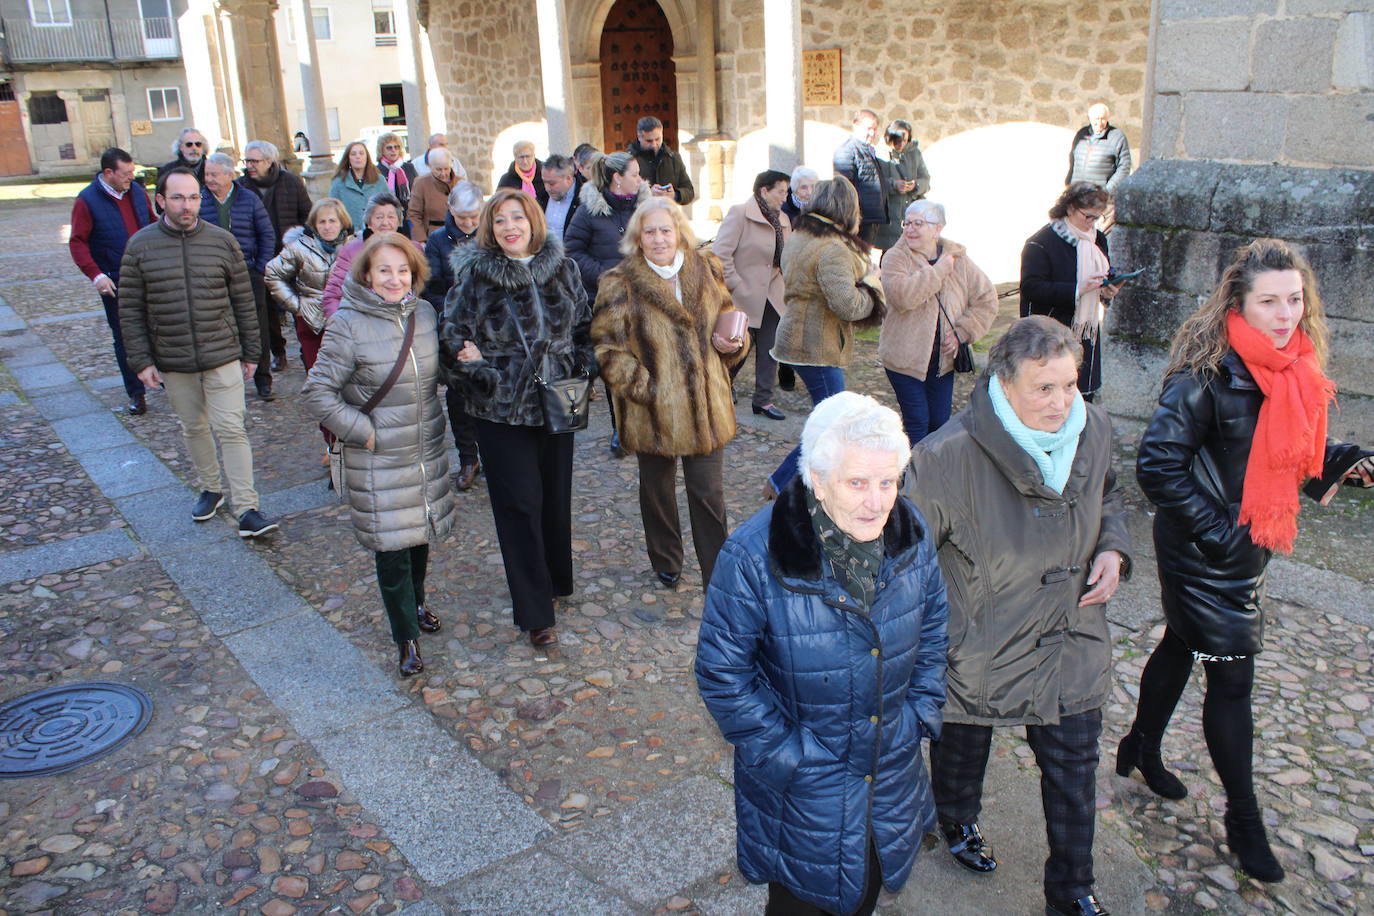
(428, 622)
(467, 476)
(411, 663)
(543, 636)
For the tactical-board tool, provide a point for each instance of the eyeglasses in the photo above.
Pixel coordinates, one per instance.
(918, 223)
(255, 161)
(1093, 217)
(180, 198)
(190, 143)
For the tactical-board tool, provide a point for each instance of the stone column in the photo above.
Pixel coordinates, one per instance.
(782, 69)
(413, 89)
(312, 88)
(555, 69)
(708, 107)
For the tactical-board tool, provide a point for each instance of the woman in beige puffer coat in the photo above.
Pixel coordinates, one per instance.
(395, 459)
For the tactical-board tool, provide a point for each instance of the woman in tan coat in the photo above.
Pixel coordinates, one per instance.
(831, 287)
(937, 299)
(749, 245)
(669, 378)
(429, 197)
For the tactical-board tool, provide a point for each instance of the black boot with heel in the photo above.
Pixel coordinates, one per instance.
(1248, 841)
(1139, 751)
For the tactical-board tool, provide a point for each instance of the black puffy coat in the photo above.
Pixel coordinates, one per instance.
(593, 236)
(439, 252)
(858, 162)
(1049, 279)
(1192, 465)
(490, 294)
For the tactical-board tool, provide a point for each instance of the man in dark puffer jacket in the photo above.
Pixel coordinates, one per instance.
(858, 161)
(190, 325)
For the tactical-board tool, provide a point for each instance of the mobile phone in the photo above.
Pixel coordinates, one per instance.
(1113, 278)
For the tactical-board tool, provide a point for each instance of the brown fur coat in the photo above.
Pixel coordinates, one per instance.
(670, 386)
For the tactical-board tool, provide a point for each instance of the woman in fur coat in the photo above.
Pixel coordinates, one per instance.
(658, 309)
(517, 310)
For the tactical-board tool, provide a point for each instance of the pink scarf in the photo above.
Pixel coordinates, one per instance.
(395, 174)
(527, 180)
(1087, 314)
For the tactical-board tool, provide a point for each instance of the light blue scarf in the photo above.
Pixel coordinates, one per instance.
(1053, 452)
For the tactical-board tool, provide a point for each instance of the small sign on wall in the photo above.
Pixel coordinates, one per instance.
(821, 77)
(140, 128)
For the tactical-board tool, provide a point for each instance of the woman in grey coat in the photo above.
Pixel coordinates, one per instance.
(395, 460)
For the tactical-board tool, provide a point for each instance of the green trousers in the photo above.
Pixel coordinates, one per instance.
(401, 577)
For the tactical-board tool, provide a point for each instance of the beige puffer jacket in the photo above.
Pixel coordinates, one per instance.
(399, 492)
(298, 275)
(828, 290)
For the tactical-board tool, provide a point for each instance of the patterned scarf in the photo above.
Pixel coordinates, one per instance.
(395, 175)
(772, 216)
(1290, 435)
(855, 563)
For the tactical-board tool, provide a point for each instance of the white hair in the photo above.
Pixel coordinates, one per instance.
(803, 172)
(438, 154)
(928, 210)
(465, 197)
(222, 161)
(176, 144)
(849, 419)
(437, 140)
(268, 149)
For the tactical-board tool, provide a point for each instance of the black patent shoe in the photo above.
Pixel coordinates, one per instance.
(669, 580)
(410, 661)
(1086, 905)
(968, 847)
(770, 412)
(427, 621)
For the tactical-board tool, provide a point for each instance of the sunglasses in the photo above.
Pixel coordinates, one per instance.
(193, 143)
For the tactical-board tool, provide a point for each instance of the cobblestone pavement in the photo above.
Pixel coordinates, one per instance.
(590, 779)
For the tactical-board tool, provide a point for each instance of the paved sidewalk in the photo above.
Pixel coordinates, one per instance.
(287, 770)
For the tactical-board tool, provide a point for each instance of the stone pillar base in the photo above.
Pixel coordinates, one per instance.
(1181, 220)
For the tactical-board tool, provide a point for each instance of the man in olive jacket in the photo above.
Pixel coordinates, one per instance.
(190, 325)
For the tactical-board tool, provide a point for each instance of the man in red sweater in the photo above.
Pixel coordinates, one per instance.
(107, 212)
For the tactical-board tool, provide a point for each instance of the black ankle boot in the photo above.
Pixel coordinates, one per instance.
(410, 661)
(1245, 835)
(1139, 751)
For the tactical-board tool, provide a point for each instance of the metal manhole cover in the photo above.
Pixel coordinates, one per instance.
(60, 728)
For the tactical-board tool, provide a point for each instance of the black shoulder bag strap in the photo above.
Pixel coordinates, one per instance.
(395, 370)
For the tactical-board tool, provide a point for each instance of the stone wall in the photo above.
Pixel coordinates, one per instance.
(950, 66)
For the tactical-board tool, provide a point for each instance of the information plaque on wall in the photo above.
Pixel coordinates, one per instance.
(821, 77)
(140, 128)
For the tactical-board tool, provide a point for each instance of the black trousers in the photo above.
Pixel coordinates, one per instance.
(1067, 756)
(401, 578)
(705, 508)
(133, 385)
(529, 482)
(766, 370)
(782, 902)
(267, 319)
(463, 426)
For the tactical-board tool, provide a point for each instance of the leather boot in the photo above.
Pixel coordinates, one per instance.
(411, 663)
(1246, 837)
(427, 621)
(1139, 751)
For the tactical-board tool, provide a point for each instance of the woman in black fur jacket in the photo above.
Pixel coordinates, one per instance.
(516, 279)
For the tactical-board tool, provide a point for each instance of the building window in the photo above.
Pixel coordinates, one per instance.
(164, 104)
(324, 25)
(384, 26)
(50, 12)
(46, 108)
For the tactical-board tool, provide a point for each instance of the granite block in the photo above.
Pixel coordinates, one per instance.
(67, 404)
(535, 884)
(57, 556)
(125, 470)
(162, 520)
(231, 587)
(43, 375)
(92, 432)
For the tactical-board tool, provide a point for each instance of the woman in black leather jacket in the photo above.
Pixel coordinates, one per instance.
(1203, 465)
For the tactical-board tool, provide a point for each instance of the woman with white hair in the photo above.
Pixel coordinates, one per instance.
(429, 197)
(937, 300)
(1020, 497)
(799, 190)
(526, 173)
(821, 656)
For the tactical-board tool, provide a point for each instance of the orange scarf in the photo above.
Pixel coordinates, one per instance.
(1290, 435)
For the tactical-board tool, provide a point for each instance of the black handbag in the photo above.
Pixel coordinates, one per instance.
(963, 359)
(565, 401)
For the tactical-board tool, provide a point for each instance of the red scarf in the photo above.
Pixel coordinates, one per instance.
(1290, 436)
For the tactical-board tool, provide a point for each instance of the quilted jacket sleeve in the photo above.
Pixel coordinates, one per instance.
(322, 395)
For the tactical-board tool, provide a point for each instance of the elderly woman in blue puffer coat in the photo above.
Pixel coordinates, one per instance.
(822, 658)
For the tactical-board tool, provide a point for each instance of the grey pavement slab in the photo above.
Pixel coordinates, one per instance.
(125, 470)
(300, 498)
(535, 884)
(1328, 591)
(423, 908)
(92, 432)
(5, 310)
(60, 405)
(44, 375)
(732, 900)
(105, 382)
(11, 323)
(319, 679)
(162, 520)
(660, 844)
(9, 399)
(446, 813)
(230, 586)
(57, 556)
(69, 316)
(31, 354)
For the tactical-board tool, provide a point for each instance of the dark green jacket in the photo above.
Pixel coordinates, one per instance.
(185, 301)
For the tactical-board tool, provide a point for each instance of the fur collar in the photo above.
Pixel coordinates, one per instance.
(648, 289)
(795, 550)
(602, 204)
(495, 267)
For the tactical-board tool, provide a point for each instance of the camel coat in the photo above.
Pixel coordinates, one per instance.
(827, 294)
(915, 290)
(670, 386)
(744, 245)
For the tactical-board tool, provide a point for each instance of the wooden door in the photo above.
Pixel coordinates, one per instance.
(97, 119)
(14, 150)
(638, 76)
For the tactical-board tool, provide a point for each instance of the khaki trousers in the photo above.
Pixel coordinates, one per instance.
(213, 400)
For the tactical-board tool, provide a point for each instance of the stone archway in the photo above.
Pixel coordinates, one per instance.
(638, 76)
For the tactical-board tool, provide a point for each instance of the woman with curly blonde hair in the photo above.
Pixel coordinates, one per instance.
(1241, 425)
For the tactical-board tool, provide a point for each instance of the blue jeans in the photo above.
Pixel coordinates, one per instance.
(925, 404)
(821, 382)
